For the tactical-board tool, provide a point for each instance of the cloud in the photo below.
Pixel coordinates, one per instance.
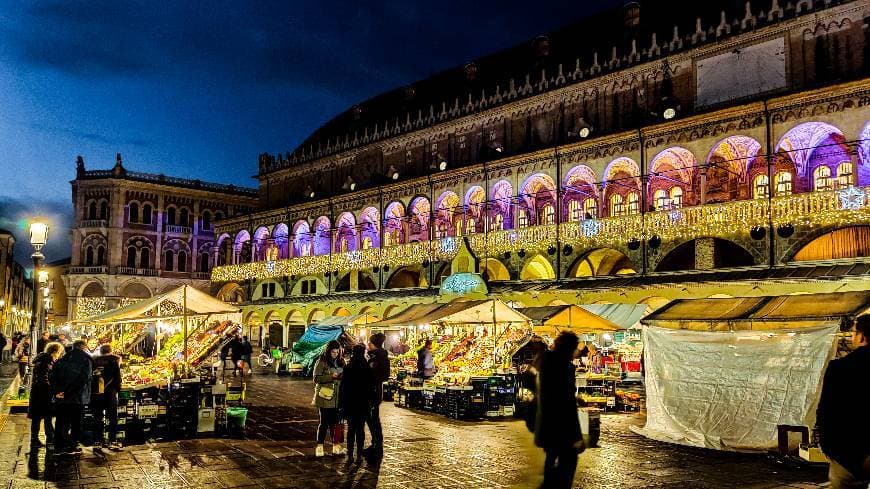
(90, 136)
(14, 216)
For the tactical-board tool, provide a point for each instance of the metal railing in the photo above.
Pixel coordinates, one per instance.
(144, 272)
(172, 229)
(89, 270)
(92, 223)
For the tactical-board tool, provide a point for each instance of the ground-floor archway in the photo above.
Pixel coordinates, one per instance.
(602, 262)
(850, 242)
(537, 268)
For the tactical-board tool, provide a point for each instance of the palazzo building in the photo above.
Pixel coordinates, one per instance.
(642, 155)
(16, 289)
(137, 234)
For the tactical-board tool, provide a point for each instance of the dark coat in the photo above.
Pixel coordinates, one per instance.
(110, 366)
(72, 376)
(556, 421)
(379, 361)
(247, 348)
(40, 389)
(357, 390)
(844, 433)
(237, 350)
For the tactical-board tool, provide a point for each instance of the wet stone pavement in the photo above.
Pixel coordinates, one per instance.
(422, 451)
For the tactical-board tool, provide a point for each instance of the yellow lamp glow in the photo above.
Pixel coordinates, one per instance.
(38, 233)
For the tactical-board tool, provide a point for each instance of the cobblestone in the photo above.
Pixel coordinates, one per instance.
(421, 450)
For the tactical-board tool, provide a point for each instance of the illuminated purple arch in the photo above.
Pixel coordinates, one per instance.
(302, 238)
(736, 153)
(281, 236)
(394, 220)
(448, 206)
(345, 231)
(369, 220)
(322, 231)
(538, 191)
(475, 205)
(261, 238)
(671, 167)
(242, 240)
(812, 144)
(502, 196)
(418, 222)
(863, 170)
(579, 184)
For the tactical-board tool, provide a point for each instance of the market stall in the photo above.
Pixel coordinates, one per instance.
(726, 373)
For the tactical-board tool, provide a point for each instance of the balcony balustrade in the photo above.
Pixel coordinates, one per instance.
(92, 223)
(143, 272)
(815, 209)
(172, 229)
(89, 270)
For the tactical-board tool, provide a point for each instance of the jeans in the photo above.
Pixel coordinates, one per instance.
(328, 418)
(842, 478)
(356, 432)
(106, 403)
(375, 428)
(68, 427)
(559, 467)
(34, 428)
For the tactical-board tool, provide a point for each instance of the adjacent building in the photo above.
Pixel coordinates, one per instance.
(138, 234)
(642, 155)
(16, 289)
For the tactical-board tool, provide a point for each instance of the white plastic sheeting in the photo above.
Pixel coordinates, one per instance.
(729, 391)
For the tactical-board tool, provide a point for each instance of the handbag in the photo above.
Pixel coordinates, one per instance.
(338, 433)
(326, 392)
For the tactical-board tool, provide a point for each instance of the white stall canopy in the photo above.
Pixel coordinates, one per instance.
(171, 305)
(456, 312)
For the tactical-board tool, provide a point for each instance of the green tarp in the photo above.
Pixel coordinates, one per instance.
(307, 350)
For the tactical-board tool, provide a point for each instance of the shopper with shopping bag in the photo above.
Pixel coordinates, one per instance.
(327, 381)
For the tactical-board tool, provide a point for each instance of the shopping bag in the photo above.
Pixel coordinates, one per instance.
(338, 433)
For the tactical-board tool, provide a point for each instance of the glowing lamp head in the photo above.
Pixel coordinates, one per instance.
(38, 233)
(443, 165)
(669, 113)
(584, 132)
(43, 276)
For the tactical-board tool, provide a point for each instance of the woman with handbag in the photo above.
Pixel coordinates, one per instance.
(327, 380)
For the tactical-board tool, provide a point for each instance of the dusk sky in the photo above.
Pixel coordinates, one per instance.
(199, 89)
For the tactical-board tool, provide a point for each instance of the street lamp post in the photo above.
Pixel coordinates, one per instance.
(38, 238)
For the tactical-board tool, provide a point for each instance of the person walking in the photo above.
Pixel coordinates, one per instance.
(71, 384)
(844, 438)
(22, 355)
(247, 351)
(236, 353)
(39, 409)
(356, 398)
(557, 428)
(425, 362)
(41, 342)
(104, 396)
(379, 361)
(3, 343)
(327, 380)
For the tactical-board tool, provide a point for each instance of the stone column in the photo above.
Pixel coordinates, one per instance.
(158, 245)
(194, 241)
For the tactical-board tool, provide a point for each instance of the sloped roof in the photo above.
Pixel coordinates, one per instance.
(198, 303)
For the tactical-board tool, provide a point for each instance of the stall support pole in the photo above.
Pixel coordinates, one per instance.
(184, 324)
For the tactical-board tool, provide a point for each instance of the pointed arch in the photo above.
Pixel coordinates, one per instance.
(448, 211)
(345, 233)
(495, 270)
(281, 235)
(322, 236)
(671, 173)
(737, 153)
(501, 211)
(418, 222)
(394, 224)
(242, 247)
(580, 185)
(369, 220)
(538, 193)
(261, 243)
(302, 240)
(800, 145)
(475, 207)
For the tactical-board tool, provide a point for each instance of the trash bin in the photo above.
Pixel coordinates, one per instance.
(236, 418)
(590, 425)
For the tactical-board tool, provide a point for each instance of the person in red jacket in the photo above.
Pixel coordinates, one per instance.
(843, 434)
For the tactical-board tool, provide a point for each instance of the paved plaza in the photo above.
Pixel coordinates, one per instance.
(422, 451)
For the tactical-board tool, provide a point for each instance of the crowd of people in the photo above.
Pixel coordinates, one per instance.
(351, 390)
(66, 378)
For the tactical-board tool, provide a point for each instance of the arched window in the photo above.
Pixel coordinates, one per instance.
(590, 209)
(92, 210)
(183, 220)
(548, 216)
(676, 197)
(131, 257)
(104, 210)
(182, 261)
(575, 211)
(203, 263)
(89, 256)
(134, 212)
(101, 256)
(146, 214)
(633, 203)
(170, 216)
(469, 226)
(845, 177)
(145, 258)
(366, 242)
(522, 218)
(761, 186)
(168, 261)
(660, 197)
(783, 183)
(206, 220)
(822, 178)
(617, 208)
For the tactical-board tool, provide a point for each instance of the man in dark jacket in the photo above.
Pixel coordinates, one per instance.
(105, 404)
(40, 409)
(379, 361)
(557, 427)
(41, 342)
(237, 350)
(71, 383)
(844, 435)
